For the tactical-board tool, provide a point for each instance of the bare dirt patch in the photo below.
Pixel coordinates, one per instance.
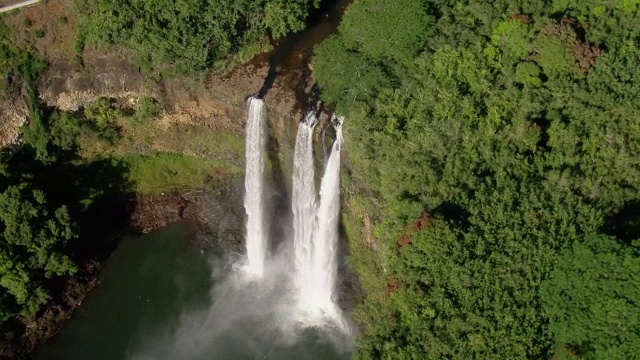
(406, 238)
(49, 26)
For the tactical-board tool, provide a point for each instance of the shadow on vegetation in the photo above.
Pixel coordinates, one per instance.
(625, 224)
(98, 194)
(454, 213)
(349, 289)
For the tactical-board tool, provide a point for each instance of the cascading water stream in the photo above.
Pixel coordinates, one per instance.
(325, 241)
(315, 218)
(254, 186)
(304, 207)
(316, 226)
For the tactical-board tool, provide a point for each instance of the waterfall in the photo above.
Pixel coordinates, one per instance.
(325, 241)
(254, 186)
(316, 225)
(304, 207)
(315, 218)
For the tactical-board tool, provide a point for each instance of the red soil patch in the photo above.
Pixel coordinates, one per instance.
(393, 285)
(420, 223)
(403, 241)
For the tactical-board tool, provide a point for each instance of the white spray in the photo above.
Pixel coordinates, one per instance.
(325, 241)
(254, 186)
(316, 226)
(304, 207)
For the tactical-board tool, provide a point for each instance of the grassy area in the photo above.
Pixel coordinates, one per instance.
(161, 156)
(197, 141)
(159, 172)
(149, 137)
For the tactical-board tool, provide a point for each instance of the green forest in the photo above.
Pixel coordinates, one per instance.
(493, 151)
(496, 148)
(190, 36)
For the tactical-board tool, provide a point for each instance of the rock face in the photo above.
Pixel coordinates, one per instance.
(218, 212)
(13, 115)
(216, 102)
(68, 86)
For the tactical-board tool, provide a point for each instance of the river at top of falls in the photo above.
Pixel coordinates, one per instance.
(256, 241)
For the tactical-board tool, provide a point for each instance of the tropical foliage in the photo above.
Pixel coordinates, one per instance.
(189, 35)
(501, 143)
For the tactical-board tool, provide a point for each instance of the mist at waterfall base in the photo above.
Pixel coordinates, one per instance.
(273, 303)
(247, 319)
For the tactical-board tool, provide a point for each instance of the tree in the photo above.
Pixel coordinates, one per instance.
(345, 75)
(33, 247)
(591, 300)
(386, 29)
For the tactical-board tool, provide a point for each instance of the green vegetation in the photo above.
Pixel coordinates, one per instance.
(39, 33)
(46, 196)
(153, 174)
(53, 197)
(33, 248)
(66, 189)
(189, 36)
(510, 227)
(592, 296)
(49, 198)
(16, 64)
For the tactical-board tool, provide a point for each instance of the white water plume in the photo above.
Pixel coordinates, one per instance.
(325, 241)
(254, 186)
(304, 207)
(316, 229)
(246, 319)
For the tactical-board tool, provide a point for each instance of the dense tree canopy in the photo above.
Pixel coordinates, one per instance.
(32, 248)
(592, 297)
(514, 127)
(190, 35)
